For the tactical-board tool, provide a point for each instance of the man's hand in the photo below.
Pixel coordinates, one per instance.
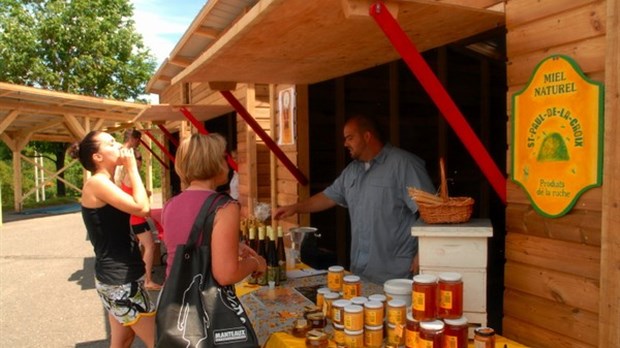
(285, 211)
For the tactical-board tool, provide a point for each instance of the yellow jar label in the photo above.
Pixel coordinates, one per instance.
(350, 291)
(356, 341)
(396, 335)
(451, 341)
(334, 281)
(354, 321)
(319, 300)
(373, 338)
(422, 343)
(337, 314)
(339, 336)
(418, 301)
(373, 317)
(445, 299)
(411, 339)
(396, 315)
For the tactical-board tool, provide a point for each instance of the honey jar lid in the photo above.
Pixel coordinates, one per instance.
(301, 323)
(456, 322)
(450, 276)
(377, 297)
(359, 300)
(425, 279)
(316, 335)
(373, 304)
(323, 290)
(484, 331)
(331, 295)
(434, 325)
(341, 303)
(397, 303)
(335, 269)
(351, 278)
(353, 309)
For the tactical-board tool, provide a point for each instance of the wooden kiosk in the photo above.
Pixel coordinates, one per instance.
(560, 280)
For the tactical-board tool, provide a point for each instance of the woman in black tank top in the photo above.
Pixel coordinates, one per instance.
(106, 208)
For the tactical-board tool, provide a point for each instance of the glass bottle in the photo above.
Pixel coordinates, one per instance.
(281, 254)
(262, 279)
(252, 242)
(273, 267)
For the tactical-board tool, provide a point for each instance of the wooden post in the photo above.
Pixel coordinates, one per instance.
(609, 293)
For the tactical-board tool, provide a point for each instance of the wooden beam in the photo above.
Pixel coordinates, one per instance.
(54, 138)
(74, 126)
(60, 110)
(17, 181)
(10, 142)
(223, 85)
(359, 8)
(9, 118)
(179, 61)
(208, 32)
(609, 294)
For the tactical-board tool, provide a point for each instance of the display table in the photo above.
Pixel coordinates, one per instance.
(275, 310)
(459, 248)
(284, 340)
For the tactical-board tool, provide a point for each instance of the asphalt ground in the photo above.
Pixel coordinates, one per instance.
(47, 288)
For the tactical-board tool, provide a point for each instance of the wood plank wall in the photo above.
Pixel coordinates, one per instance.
(552, 270)
(285, 188)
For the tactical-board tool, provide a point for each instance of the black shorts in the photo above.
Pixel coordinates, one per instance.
(141, 228)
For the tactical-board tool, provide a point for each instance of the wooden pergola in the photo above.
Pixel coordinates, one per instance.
(29, 113)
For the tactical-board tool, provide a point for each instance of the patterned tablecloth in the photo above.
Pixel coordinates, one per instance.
(275, 310)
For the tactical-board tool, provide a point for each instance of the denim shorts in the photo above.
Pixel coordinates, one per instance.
(127, 302)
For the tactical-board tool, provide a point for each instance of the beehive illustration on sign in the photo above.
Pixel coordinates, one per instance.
(553, 149)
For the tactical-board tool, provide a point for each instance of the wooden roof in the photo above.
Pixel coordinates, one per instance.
(29, 113)
(300, 41)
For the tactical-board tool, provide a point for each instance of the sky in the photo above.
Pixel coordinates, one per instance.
(163, 22)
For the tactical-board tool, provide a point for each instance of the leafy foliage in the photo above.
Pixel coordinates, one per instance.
(86, 47)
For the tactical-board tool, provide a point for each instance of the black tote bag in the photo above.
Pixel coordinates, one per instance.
(193, 310)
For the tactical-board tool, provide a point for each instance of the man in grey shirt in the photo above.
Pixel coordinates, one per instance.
(374, 189)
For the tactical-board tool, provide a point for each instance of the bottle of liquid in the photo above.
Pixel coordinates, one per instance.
(252, 242)
(262, 251)
(273, 267)
(281, 254)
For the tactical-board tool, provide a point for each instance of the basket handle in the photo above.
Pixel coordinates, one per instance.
(443, 188)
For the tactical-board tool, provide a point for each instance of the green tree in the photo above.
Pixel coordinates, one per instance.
(86, 47)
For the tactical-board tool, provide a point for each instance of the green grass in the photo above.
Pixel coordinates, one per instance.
(47, 203)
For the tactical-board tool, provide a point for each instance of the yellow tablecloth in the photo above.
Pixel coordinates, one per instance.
(285, 340)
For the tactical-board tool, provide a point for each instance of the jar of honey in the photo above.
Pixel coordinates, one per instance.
(455, 333)
(484, 337)
(450, 295)
(396, 312)
(300, 328)
(359, 300)
(431, 334)
(424, 297)
(373, 313)
(316, 339)
(339, 337)
(373, 336)
(395, 335)
(412, 332)
(379, 298)
(338, 311)
(335, 275)
(353, 318)
(328, 299)
(319, 296)
(351, 286)
(317, 320)
(354, 339)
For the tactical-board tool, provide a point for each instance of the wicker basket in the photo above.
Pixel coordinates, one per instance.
(442, 209)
